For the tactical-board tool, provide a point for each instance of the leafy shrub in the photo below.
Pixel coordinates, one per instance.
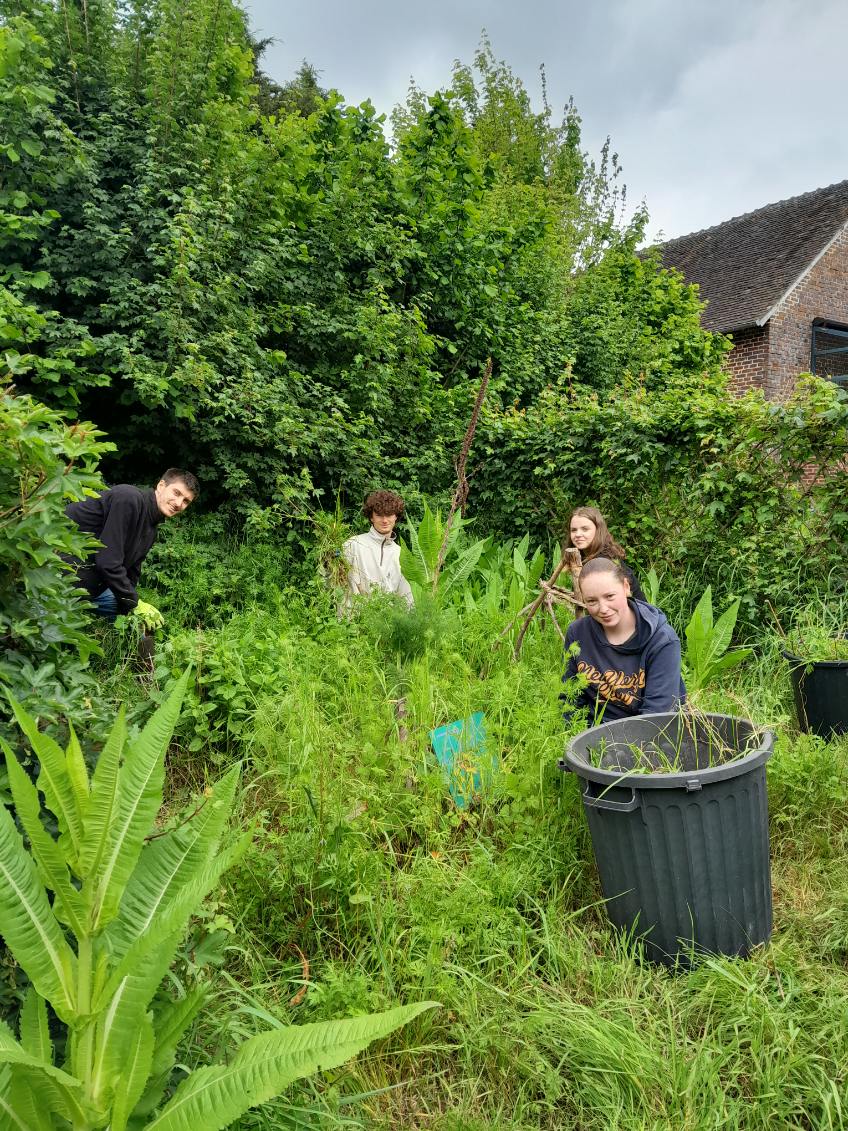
(45, 641)
(251, 656)
(204, 571)
(704, 485)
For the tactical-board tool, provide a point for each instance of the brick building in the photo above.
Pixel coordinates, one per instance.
(776, 281)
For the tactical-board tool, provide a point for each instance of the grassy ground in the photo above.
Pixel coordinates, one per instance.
(367, 887)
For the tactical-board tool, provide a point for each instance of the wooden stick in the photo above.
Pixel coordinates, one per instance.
(533, 608)
(460, 495)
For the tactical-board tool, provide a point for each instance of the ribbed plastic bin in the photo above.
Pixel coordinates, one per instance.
(820, 690)
(683, 856)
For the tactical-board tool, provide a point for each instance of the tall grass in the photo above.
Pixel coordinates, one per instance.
(366, 885)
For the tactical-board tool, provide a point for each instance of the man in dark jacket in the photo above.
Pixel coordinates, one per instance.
(126, 519)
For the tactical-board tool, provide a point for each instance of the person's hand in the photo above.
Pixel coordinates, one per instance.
(149, 615)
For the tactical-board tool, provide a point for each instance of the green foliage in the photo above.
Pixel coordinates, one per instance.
(818, 631)
(629, 319)
(203, 570)
(707, 642)
(268, 292)
(122, 898)
(251, 656)
(37, 157)
(364, 868)
(44, 636)
(403, 634)
(419, 561)
(713, 488)
(651, 586)
(504, 579)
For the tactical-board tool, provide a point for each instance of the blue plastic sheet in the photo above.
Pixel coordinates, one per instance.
(462, 752)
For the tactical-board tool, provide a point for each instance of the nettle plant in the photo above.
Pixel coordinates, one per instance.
(97, 952)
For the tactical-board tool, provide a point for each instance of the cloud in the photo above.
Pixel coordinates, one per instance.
(714, 109)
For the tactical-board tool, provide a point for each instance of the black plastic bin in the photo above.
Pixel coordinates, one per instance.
(683, 856)
(820, 689)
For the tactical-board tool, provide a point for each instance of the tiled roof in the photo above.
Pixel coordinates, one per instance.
(746, 265)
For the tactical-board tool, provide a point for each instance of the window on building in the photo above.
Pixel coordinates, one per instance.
(830, 351)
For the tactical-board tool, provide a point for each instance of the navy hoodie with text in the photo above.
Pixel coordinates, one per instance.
(634, 678)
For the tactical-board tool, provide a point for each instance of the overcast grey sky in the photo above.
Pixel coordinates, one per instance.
(714, 108)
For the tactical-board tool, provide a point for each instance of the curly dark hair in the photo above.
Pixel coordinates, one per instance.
(383, 502)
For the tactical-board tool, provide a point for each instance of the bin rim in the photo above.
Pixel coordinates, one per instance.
(678, 780)
(800, 662)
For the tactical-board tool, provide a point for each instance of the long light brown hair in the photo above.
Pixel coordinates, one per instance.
(603, 544)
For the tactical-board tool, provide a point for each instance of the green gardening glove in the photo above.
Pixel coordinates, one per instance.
(149, 615)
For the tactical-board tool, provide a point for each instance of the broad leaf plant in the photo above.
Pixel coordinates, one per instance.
(95, 917)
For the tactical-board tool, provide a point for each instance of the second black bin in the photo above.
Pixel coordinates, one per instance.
(683, 854)
(820, 690)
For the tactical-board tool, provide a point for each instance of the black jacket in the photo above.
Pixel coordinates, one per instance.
(125, 519)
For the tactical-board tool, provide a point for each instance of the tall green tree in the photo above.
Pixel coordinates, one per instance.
(262, 292)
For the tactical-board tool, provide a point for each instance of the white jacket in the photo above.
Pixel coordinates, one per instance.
(374, 562)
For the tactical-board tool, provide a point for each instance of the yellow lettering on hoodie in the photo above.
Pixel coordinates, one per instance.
(614, 686)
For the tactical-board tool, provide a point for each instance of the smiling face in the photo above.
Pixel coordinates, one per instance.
(384, 523)
(173, 497)
(582, 532)
(605, 597)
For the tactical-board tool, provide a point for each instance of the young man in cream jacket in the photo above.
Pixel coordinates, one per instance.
(374, 557)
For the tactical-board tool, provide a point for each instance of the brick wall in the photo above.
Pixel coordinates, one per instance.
(822, 293)
(747, 362)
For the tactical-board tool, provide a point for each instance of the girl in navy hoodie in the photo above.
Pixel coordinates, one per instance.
(629, 653)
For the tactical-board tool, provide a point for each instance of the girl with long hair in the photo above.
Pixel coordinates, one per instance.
(588, 533)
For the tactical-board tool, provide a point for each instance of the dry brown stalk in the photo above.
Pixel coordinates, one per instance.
(551, 594)
(304, 962)
(460, 495)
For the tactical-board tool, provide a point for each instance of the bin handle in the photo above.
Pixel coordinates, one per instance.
(615, 806)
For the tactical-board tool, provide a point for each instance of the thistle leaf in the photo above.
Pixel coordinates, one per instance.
(77, 775)
(103, 798)
(54, 783)
(211, 1098)
(168, 1026)
(52, 866)
(139, 797)
(35, 1030)
(13, 1053)
(134, 1074)
(120, 1020)
(29, 926)
(172, 919)
(169, 862)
